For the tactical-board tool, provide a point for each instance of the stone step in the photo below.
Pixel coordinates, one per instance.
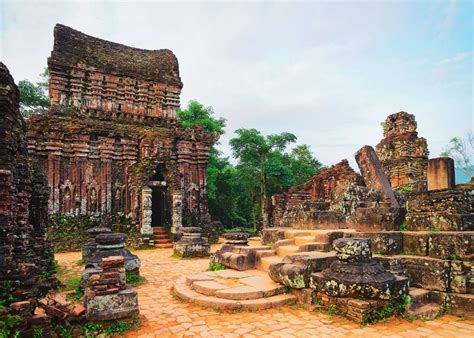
(418, 298)
(291, 234)
(160, 236)
(162, 241)
(184, 292)
(286, 250)
(303, 240)
(159, 230)
(265, 253)
(248, 288)
(315, 246)
(265, 262)
(426, 312)
(164, 246)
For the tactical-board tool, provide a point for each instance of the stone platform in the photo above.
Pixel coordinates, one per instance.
(233, 290)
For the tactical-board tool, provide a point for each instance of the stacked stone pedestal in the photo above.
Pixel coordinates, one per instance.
(191, 243)
(90, 246)
(363, 283)
(107, 296)
(106, 244)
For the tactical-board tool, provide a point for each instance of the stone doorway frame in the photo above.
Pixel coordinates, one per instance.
(175, 206)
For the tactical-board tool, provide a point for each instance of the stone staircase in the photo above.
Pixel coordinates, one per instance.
(422, 305)
(161, 239)
(299, 242)
(233, 290)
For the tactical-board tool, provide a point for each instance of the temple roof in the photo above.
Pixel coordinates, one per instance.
(73, 48)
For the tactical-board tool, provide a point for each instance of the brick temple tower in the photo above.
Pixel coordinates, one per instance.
(111, 142)
(404, 155)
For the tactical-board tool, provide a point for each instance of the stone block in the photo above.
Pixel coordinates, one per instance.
(426, 272)
(460, 305)
(385, 243)
(441, 173)
(114, 306)
(451, 245)
(272, 235)
(415, 243)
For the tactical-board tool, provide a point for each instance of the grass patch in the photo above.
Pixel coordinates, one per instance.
(404, 226)
(407, 253)
(74, 284)
(80, 262)
(214, 266)
(249, 230)
(109, 329)
(134, 279)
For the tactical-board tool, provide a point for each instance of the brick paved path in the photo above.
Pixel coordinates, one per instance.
(164, 316)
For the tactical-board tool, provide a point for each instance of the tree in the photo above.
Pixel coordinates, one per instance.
(461, 151)
(34, 97)
(304, 165)
(197, 114)
(253, 150)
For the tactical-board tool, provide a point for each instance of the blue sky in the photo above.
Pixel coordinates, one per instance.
(330, 72)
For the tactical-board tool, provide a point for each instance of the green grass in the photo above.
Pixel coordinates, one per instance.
(404, 226)
(249, 230)
(133, 279)
(214, 266)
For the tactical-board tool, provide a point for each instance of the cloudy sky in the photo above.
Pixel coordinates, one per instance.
(328, 72)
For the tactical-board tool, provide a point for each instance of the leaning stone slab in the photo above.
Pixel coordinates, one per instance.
(373, 174)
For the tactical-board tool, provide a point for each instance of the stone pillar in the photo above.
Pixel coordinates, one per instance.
(441, 173)
(176, 212)
(146, 226)
(373, 174)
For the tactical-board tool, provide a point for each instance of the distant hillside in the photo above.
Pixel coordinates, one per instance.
(461, 176)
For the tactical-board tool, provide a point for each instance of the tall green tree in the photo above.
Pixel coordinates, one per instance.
(34, 98)
(252, 149)
(196, 114)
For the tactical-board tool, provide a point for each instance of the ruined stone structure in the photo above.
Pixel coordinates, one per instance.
(336, 198)
(403, 154)
(23, 251)
(107, 296)
(191, 243)
(111, 142)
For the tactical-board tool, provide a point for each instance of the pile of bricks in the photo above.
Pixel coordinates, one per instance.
(111, 280)
(107, 297)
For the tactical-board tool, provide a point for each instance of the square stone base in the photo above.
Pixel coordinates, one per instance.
(357, 310)
(115, 306)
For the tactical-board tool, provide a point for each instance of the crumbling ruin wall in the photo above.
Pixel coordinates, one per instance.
(336, 197)
(339, 197)
(23, 251)
(404, 155)
(112, 136)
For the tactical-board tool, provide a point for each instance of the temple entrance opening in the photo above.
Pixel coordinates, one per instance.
(159, 205)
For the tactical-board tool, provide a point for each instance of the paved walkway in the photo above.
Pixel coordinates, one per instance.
(164, 316)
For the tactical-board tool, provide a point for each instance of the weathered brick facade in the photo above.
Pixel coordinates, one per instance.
(23, 251)
(111, 142)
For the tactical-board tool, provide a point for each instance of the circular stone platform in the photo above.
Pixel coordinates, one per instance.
(233, 290)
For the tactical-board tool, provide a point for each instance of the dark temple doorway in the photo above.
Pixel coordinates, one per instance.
(158, 206)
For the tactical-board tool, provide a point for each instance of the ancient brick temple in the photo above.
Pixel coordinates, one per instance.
(403, 154)
(111, 142)
(26, 260)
